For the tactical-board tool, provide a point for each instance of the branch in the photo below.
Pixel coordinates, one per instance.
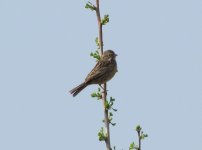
(99, 25)
(141, 136)
(104, 93)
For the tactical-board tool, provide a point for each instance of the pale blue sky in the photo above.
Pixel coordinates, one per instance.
(44, 52)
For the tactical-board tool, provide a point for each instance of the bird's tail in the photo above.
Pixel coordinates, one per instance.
(78, 89)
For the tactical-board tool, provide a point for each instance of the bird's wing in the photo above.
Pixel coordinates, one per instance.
(98, 70)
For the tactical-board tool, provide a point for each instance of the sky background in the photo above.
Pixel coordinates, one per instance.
(44, 52)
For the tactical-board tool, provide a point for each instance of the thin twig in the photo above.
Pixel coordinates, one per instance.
(99, 25)
(139, 137)
(104, 95)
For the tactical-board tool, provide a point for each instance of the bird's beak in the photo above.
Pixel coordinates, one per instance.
(116, 55)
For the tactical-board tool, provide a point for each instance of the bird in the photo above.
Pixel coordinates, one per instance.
(104, 70)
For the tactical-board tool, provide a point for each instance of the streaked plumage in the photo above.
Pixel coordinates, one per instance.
(103, 71)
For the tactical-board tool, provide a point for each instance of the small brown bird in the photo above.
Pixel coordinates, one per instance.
(103, 71)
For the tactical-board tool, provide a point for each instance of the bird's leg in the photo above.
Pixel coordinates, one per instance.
(103, 89)
(101, 86)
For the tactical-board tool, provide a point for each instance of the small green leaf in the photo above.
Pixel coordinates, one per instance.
(97, 94)
(90, 6)
(112, 99)
(95, 55)
(114, 109)
(138, 128)
(143, 136)
(107, 106)
(93, 95)
(97, 41)
(132, 146)
(113, 124)
(110, 114)
(101, 135)
(105, 20)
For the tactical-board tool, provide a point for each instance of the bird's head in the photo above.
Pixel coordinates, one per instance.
(109, 54)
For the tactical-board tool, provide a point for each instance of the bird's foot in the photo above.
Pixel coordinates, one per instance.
(102, 87)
